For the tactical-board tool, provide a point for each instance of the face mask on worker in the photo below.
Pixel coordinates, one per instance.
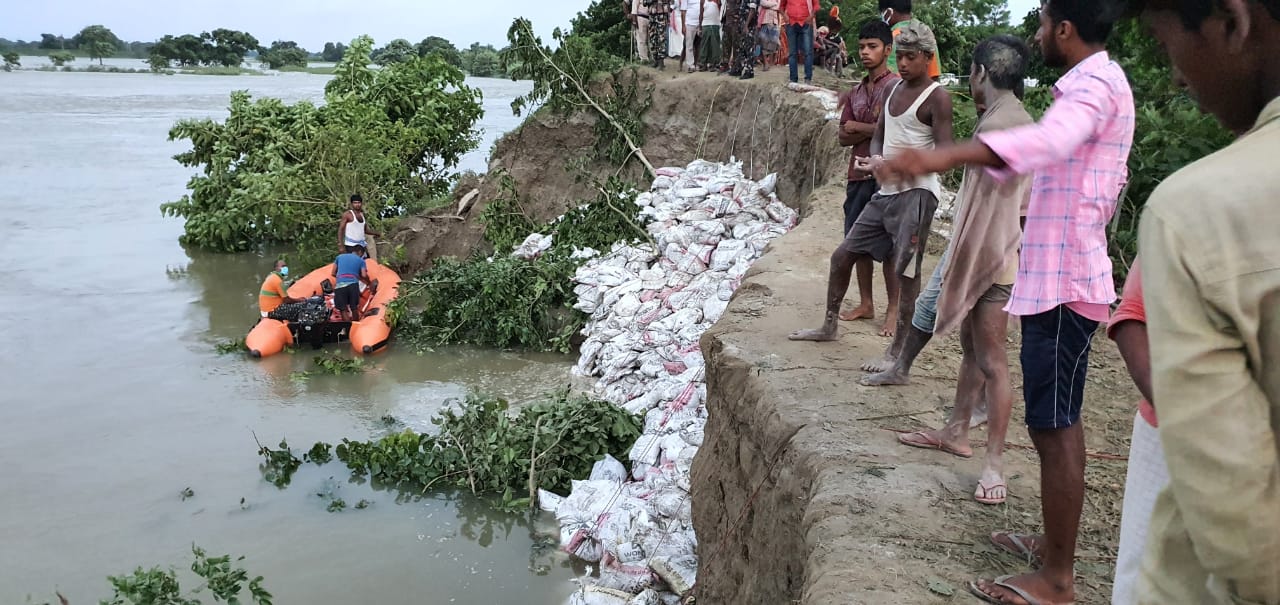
(284, 271)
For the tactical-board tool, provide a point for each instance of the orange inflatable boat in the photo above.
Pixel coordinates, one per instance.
(318, 322)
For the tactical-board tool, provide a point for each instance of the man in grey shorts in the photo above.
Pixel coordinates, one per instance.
(895, 224)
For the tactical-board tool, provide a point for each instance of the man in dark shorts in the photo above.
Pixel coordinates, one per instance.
(894, 226)
(858, 120)
(349, 272)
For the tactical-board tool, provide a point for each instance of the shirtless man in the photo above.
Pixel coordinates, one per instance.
(977, 278)
(895, 223)
(353, 229)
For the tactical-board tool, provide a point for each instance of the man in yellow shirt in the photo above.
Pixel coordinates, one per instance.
(897, 13)
(1210, 246)
(272, 294)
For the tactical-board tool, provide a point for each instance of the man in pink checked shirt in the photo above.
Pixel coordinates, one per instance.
(1078, 154)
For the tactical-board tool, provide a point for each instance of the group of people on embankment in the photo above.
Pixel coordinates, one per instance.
(1201, 514)
(734, 36)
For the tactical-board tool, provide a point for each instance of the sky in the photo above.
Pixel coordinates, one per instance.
(310, 23)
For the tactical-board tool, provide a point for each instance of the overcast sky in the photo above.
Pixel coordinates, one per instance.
(310, 23)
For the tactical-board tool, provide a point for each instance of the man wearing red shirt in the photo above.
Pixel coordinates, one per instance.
(800, 26)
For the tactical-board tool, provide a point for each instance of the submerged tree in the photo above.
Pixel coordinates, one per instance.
(11, 61)
(61, 57)
(277, 172)
(283, 53)
(99, 41)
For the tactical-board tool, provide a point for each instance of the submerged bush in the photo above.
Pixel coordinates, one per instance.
(482, 448)
(504, 301)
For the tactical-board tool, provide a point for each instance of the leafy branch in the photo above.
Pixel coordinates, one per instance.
(561, 78)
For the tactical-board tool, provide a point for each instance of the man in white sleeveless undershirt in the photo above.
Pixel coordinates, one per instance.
(353, 229)
(895, 225)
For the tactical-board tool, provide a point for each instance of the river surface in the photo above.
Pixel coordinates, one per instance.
(113, 399)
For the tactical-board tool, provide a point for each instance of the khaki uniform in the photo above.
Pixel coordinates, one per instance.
(1210, 245)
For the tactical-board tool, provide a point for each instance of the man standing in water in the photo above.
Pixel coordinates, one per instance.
(353, 230)
(895, 223)
(1078, 154)
(1211, 273)
(977, 279)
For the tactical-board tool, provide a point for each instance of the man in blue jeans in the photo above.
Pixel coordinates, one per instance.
(801, 23)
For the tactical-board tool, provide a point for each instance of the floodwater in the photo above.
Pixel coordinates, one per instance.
(113, 399)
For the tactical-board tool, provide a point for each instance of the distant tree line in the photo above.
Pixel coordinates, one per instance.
(229, 48)
(478, 60)
(94, 41)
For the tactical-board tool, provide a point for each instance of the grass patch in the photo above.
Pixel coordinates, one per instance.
(320, 71)
(219, 70)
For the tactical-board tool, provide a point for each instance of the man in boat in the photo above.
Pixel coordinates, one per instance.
(272, 294)
(349, 272)
(353, 229)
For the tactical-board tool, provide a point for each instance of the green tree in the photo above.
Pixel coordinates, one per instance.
(61, 57)
(333, 52)
(442, 47)
(99, 41)
(227, 47)
(157, 63)
(52, 42)
(605, 26)
(396, 51)
(186, 50)
(481, 61)
(283, 54)
(11, 60)
(277, 172)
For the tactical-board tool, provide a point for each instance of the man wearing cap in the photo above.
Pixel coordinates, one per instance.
(895, 224)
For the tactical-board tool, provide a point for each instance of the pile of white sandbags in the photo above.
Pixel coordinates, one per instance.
(649, 307)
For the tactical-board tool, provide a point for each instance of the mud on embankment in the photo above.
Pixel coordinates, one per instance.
(768, 128)
(800, 492)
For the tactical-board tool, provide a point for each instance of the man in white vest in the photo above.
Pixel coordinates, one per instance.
(353, 229)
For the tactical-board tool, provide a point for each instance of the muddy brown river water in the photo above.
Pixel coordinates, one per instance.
(113, 399)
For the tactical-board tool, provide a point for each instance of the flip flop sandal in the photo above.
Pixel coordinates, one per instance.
(984, 499)
(1003, 582)
(1019, 548)
(929, 443)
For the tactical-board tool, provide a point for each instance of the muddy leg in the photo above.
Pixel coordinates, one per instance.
(842, 263)
(989, 324)
(891, 290)
(866, 308)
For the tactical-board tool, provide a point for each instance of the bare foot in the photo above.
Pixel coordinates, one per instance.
(892, 376)
(880, 365)
(822, 334)
(1035, 587)
(991, 487)
(936, 440)
(859, 312)
(889, 328)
